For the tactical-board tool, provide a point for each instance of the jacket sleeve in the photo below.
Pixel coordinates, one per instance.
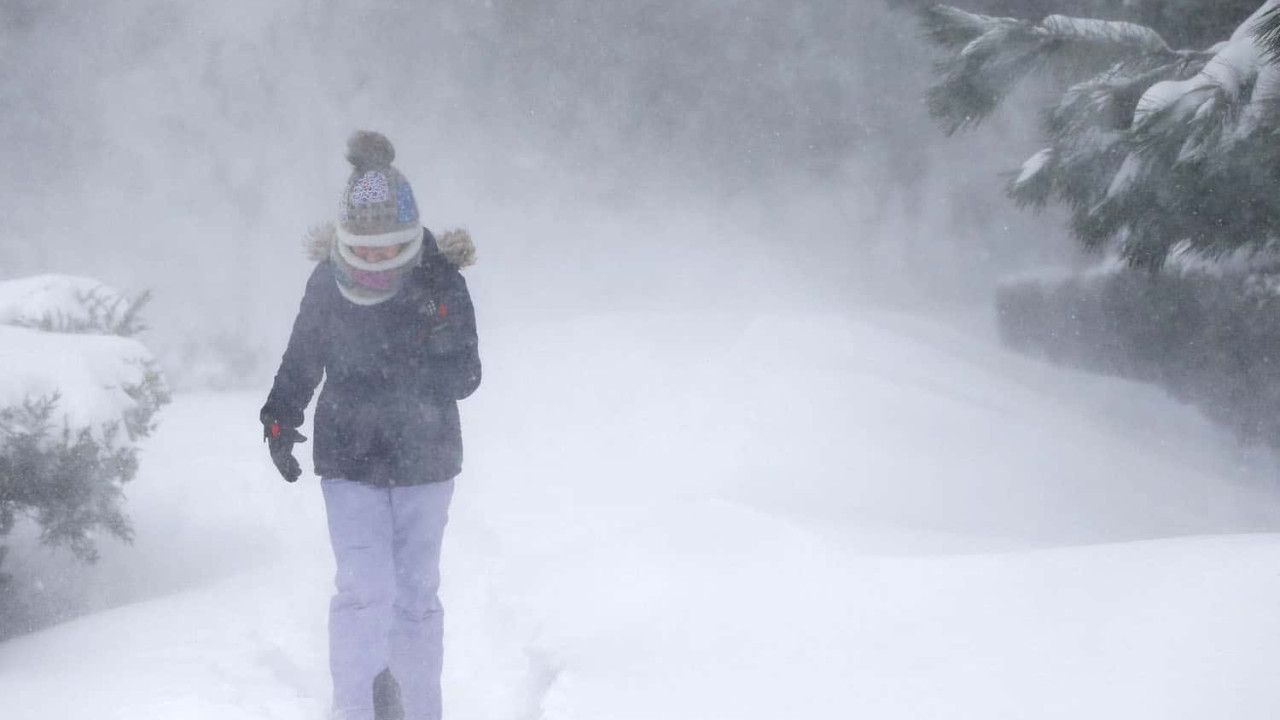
(302, 366)
(455, 372)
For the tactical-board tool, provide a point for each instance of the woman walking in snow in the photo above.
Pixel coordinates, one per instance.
(387, 319)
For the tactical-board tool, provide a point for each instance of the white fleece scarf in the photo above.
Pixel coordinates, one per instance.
(370, 283)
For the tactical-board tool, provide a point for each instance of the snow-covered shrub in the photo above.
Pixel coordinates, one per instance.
(1209, 336)
(77, 394)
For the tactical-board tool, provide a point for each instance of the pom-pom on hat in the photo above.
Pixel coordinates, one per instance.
(377, 207)
(377, 210)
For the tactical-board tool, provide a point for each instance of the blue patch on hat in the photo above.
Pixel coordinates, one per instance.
(406, 208)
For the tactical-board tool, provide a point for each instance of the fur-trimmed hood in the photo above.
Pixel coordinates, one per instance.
(454, 245)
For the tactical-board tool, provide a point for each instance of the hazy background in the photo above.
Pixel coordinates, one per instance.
(700, 435)
(606, 156)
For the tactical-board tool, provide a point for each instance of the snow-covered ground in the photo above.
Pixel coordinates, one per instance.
(724, 517)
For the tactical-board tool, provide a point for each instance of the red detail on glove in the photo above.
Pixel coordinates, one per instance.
(444, 310)
(275, 430)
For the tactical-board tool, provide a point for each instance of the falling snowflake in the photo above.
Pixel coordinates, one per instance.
(371, 188)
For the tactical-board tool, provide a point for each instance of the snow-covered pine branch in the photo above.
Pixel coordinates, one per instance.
(1158, 152)
(988, 56)
(1033, 185)
(1267, 28)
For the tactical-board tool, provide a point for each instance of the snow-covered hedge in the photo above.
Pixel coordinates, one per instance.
(1209, 335)
(77, 393)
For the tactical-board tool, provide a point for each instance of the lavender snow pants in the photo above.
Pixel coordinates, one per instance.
(386, 611)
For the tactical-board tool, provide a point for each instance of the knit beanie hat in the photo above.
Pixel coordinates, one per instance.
(377, 209)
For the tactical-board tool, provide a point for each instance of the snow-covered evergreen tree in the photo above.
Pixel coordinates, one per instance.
(78, 393)
(1155, 150)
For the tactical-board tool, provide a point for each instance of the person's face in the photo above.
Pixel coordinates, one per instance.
(377, 254)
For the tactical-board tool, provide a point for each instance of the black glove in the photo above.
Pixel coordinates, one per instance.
(280, 441)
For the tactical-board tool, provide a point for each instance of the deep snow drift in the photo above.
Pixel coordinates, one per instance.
(791, 516)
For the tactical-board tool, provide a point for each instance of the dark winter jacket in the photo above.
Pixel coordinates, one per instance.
(393, 372)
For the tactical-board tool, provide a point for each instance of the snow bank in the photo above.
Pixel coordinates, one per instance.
(746, 517)
(713, 612)
(824, 517)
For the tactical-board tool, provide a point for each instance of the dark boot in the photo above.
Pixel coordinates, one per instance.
(386, 697)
